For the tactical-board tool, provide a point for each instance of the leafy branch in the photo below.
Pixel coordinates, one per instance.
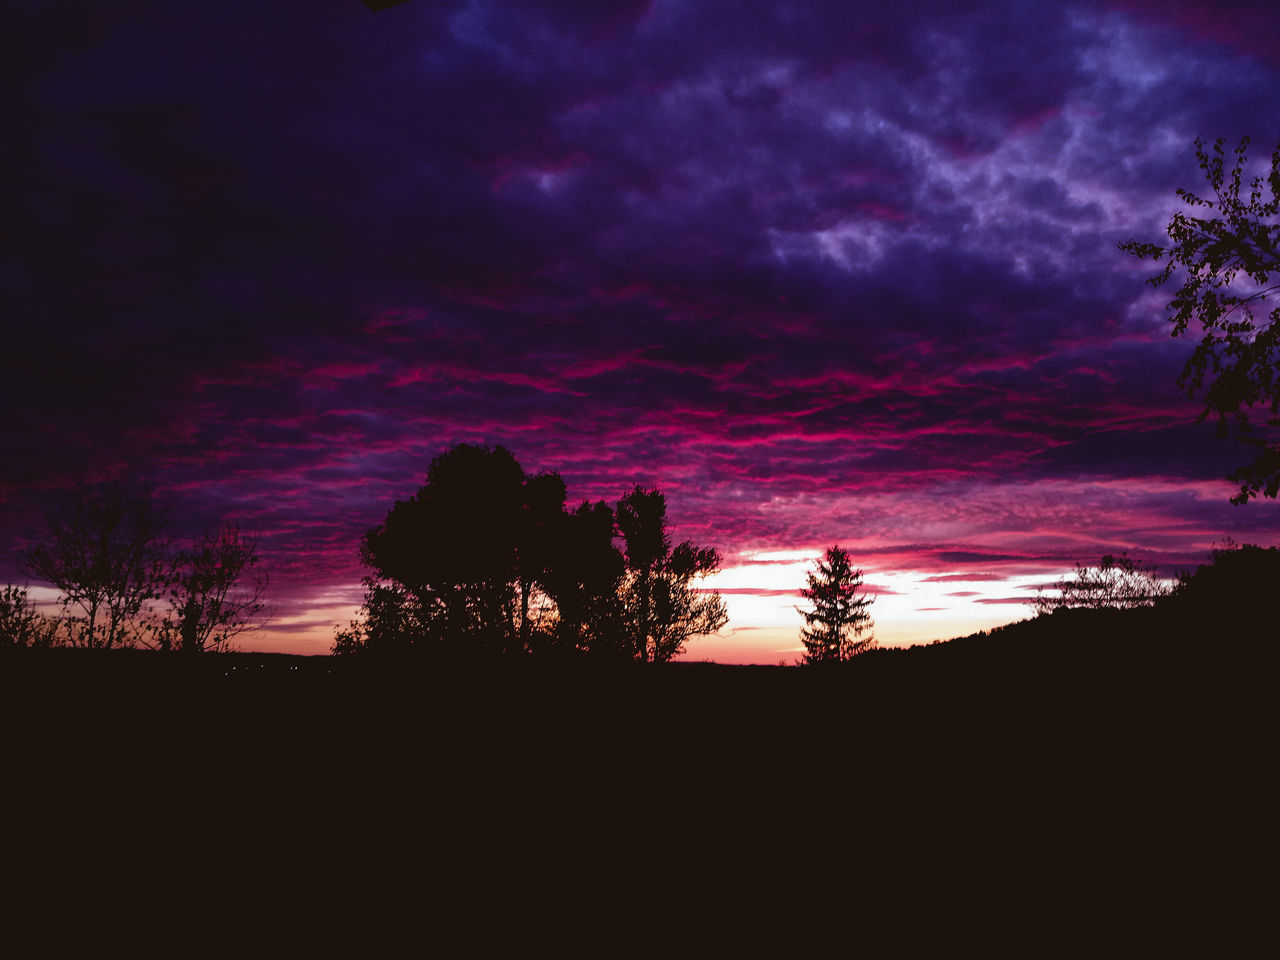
(1235, 363)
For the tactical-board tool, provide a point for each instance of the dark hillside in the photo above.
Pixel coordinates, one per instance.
(523, 732)
(1080, 744)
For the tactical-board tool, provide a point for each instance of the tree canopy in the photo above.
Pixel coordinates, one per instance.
(1228, 259)
(584, 580)
(486, 558)
(662, 609)
(462, 545)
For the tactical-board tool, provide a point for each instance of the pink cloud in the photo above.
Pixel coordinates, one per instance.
(962, 578)
(748, 591)
(883, 211)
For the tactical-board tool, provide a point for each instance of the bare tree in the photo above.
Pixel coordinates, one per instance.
(1116, 582)
(216, 592)
(107, 553)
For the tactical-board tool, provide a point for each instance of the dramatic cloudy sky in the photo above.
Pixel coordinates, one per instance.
(840, 272)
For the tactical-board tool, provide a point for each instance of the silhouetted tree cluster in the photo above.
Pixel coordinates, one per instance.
(1116, 582)
(834, 627)
(124, 583)
(1228, 262)
(485, 558)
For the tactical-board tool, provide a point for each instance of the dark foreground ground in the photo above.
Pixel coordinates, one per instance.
(1098, 745)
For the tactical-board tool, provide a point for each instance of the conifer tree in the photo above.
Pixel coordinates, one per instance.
(833, 629)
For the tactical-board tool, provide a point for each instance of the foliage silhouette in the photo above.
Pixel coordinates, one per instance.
(486, 559)
(584, 581)
(215, 592)
(1116, 582)
(21, 624)
(107, 553)
(455, 546)
(1228, 262)
(541, 524)
(661, 608)
(391, 621)
(833, 629)
(1230, 593)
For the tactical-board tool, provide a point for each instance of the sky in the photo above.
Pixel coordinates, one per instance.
(821, 272)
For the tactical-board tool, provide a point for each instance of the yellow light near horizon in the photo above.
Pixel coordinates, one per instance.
(912, 606)
(772, 556)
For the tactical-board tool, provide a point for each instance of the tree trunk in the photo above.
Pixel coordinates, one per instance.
(525, 589)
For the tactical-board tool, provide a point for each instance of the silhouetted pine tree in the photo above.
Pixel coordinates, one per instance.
(833, 629)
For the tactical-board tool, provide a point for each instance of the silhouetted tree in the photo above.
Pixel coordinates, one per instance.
(661, 607)
(390, 621)
(471, 548)
(453, 546)
(542, 519)
(584, 579)
(106, 552)
(1116, 582)
(1228, 262)
(833, 628)
(21, 624)
(215, 592)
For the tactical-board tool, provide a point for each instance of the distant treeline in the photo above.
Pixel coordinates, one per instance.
(486, 561)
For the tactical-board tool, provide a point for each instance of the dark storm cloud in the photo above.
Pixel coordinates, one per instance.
(820, 271)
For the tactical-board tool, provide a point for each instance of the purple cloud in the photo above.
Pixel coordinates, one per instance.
(822, 273)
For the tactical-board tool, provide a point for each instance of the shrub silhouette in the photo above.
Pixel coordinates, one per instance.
(1116, 582)
(21, 624)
